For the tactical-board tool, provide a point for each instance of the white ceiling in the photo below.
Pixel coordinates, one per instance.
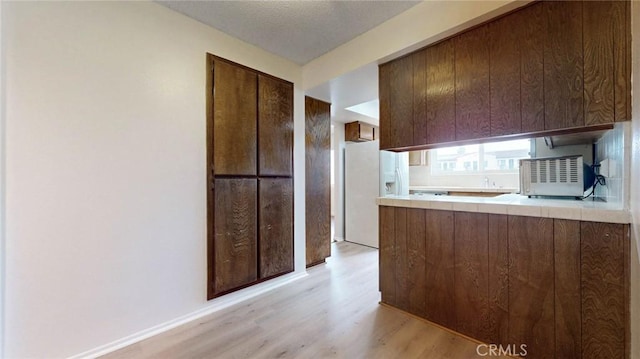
(297, 30)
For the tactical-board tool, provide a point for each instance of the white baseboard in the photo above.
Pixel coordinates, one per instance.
(212, 306)
(338, 239)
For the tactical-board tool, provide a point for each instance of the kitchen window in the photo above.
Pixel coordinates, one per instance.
(491, 157)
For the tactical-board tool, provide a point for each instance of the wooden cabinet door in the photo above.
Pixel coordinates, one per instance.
(605, 74)
(235, 245)
(275, 127)
(567, 301)
(472, 84)
(563, 65)
(387, 254)
(317, 180)
(604, 289)
(439, 268)
(531, 288)
(420, 98)
(396, 103)
(531, 23)
(441, 100)
(276, 226)
(471, 248)
(504, 49)
(234, 119)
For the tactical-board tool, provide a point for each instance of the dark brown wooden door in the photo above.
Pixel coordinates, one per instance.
(563, 65)
(441, 100)
(276, 226)
(531, 38)
(472, 274)
(604, 298)
(396, 103)
(604, 48)
(472, 84)
(416, 261)
(387, 254)
(234, 119)
(504, 43)
(439, 271)
(235, 248)
(420, 98)
(568, 322)
(531, 291)
(275, 127)
(317, 180)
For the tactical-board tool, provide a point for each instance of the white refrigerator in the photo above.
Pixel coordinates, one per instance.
(361, 172)
(368, 174)
(394, 173)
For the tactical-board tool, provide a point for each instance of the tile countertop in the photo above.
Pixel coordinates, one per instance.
(517, 205)
(463, 189)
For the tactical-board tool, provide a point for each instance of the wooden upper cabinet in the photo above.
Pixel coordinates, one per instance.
(275, 127)
(504, 49)
(396, 103)
(563, 65)
(605, 77)
(234, 119)
(441, 101)
(420, 97)
(472, 84)
(531, 42)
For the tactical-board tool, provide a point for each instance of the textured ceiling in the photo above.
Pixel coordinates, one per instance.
(297, 30)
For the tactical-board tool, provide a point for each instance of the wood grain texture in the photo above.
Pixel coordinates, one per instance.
(439, 267)
(498, 279)
(620, 16)
(235, 246)
(276, 226)
(234, 119)
(568, 332)
(599, 50)
(275, 127)
(399, 118)
(531, 293)
(563, 65)
(471, 248)
(532, 25)
(210, 184)
(441, 100)
(472, 84)
(420, 98)
(384, 96)
(400, 259)
(387, 236)
(603, 290)
(416, 281)
(504, 50)
(317, 180)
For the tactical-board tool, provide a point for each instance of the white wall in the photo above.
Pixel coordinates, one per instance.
(635, 180)
(2, 183)
(105, 169)
(419, 26)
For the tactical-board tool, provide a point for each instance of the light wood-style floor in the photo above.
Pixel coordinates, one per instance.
(332, 313)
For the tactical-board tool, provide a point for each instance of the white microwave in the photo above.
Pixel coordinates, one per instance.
(552, 176)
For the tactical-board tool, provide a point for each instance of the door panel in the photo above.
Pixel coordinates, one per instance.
(235, 244)
(276, 226)
(275, 127)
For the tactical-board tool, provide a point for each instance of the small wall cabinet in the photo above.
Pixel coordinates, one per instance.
(360, 132)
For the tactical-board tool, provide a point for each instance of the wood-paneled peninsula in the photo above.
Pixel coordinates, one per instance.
(510, 270)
